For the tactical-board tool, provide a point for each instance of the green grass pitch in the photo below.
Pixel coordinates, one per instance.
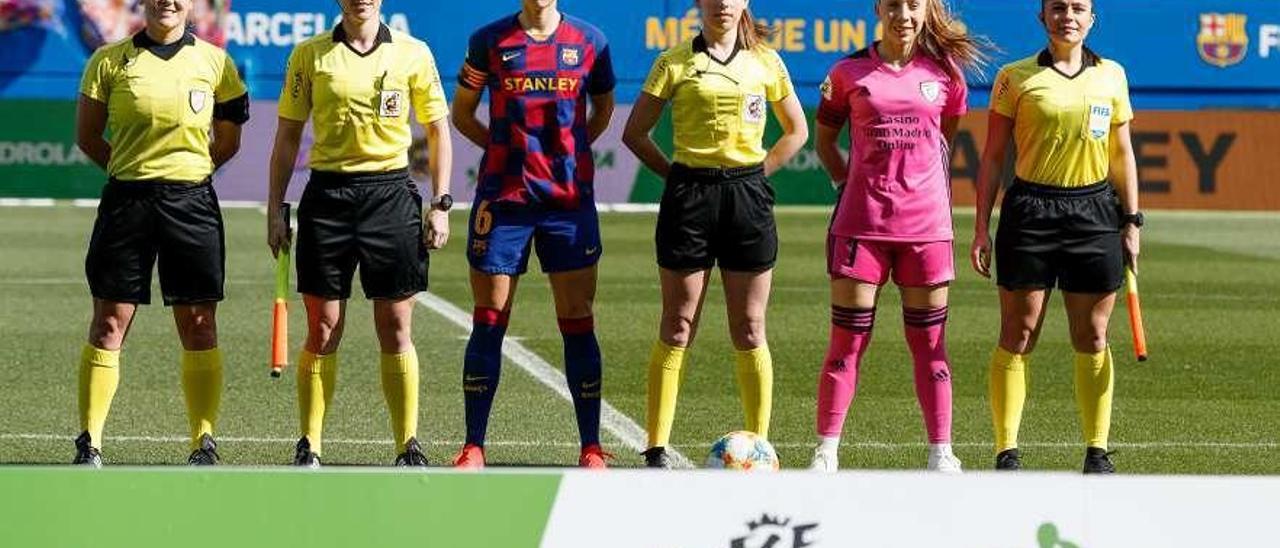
(1204, 404)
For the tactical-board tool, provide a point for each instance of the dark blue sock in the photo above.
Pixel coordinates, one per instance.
(481, 367)
(582, 369)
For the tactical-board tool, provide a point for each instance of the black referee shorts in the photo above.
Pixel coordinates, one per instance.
(373, 220)
(179, 223)
(1068, 237)
(711, 216)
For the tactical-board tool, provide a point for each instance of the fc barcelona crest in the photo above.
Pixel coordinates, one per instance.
(571, 57)
(196, 99)
(1223, 40)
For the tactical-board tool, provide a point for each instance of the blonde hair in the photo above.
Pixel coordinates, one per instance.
(752, 33)
(946, 39)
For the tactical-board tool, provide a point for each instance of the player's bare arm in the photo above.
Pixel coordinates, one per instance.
(601, 115)
(283, 154)
(91, 122)
(465, 103)
(795, 133)
(226, 142)
(638, 134)
(440, 158)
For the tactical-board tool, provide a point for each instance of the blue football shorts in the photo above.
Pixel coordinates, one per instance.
(500, 236)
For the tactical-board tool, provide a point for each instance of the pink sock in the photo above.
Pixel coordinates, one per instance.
(926, 330)
(850, 333)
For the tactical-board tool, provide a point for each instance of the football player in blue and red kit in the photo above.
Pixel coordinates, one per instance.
(534, 190)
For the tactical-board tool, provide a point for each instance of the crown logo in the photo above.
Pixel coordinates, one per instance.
(768, 521)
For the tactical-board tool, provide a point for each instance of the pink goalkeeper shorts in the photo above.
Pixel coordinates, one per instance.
(913, 264)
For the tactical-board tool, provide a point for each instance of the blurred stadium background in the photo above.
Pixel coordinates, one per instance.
(1205, 79)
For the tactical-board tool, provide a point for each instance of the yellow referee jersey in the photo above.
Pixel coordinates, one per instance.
(359, 103)
(1062, 124)
(161, 101)
(719, 108)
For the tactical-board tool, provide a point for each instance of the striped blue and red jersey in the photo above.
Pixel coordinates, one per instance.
(538, 153)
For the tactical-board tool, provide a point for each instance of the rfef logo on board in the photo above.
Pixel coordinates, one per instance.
(1223, 40)
(776, 532)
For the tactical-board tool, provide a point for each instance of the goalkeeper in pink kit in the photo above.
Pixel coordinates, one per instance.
(902, 97)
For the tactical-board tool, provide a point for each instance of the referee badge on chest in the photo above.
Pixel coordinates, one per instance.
(930, 90)
(390, 103)
(1099, 120)
(753, 109)
(196, 99)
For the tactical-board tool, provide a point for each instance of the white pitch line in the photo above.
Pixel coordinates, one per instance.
(27, 202)
(613, 420)
(468, 337)
(618, 424)
(627, 208)
(92, 202)
(81, 281)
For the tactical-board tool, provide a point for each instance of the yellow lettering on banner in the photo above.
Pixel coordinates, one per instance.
(661, 34)
(690, 26)
(789, 36)
(840, 36)
(792, 36)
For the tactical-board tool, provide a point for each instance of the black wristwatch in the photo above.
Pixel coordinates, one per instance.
(443, 202)
(1135, 219)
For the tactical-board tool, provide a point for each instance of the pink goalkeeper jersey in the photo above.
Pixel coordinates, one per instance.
(899, 167)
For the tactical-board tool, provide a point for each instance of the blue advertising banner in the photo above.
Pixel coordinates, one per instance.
(1180, 54)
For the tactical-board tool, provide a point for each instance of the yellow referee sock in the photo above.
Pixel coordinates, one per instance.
(202, 388)
(1008, 392)
(665, 363)
(317, 377)
(754, 369)
(99, 377)
(400, 388)
(1095, 379)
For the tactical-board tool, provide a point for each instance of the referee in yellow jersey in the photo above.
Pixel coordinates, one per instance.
(1070, 220)
(357, 85)
(717, 207)
(157, 94)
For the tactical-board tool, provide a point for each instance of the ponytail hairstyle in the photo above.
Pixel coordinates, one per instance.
(946, 39)
(752, 33)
